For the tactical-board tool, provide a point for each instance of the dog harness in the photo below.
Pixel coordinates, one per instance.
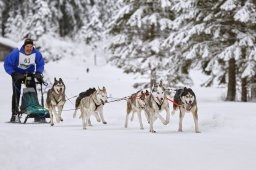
(57, 101)
(96, 106)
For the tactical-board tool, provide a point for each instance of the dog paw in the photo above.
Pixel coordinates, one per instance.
(179, 130)
(52, 124)
(61, 119)
(142, 128)
(152, 131)
(197, 131)
(104, 122)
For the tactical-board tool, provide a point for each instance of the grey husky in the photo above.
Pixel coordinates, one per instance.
(185, 100)
(155, 104)
(91, 102)
(56, 99)
(135, 104)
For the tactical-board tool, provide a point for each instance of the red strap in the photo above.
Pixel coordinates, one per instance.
(172, 101)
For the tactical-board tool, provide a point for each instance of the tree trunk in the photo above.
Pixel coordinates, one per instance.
(231, 95)
(244, 89)
(243, 79)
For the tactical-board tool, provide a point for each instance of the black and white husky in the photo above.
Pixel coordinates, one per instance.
(91, 102)
(135, 104)
(55, 100)
(155, 104)
(185, 100)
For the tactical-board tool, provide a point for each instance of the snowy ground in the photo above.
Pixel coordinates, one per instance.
(227, 141)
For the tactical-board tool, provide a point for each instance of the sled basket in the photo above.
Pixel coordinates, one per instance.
(31, 106)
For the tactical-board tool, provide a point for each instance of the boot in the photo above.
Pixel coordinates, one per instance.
(12, 120)
(15, 119)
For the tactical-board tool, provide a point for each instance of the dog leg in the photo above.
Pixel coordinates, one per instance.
(102, 117)
(89, 122)
(151, 124)
(126, 120)
(56, 115)
(147, 116)
(51, 116)
(161, 118)
(96, 114)
(83, 114)
(139, 116)
(174, 110)
(195, 116)
(60, 108)
(167, 115)
(182, 114)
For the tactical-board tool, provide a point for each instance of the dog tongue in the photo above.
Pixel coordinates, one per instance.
(188, 107)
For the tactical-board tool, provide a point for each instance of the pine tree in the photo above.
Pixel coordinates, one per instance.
(139, 29)
(214, 36)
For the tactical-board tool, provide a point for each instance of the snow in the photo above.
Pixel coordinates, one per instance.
(227, 141)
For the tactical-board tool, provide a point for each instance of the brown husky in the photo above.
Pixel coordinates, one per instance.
(135, 104)
(56, 99)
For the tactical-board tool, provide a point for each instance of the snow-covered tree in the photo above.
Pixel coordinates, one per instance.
(14, 25)
(98, 15)
(139, 29)
(213, 34)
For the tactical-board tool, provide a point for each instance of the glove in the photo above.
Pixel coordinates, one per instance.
(16, 76)
(39, 77)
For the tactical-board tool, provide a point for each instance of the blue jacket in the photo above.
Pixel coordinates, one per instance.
(18, 61)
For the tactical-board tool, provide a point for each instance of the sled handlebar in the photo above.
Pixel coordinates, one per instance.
(29, 77)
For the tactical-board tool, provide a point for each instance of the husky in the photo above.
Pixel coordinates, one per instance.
(135, 104)
(185, 100)
(55, 100)
(91, 102)
(156, 103)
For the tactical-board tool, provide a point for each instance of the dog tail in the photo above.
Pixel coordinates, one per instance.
(129, 107)
(74, 114)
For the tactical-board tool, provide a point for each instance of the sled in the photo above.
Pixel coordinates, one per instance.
(29, 103)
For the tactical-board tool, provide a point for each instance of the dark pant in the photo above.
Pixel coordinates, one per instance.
(16, 88)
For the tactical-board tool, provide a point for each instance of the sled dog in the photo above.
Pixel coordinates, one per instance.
(55, 100)
(185, 100)
(156, 103)
(91, 102)
(135, 104)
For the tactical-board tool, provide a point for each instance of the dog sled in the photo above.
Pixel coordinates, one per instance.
(29, 101)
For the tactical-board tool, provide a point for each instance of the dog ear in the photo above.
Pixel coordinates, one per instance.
(104, 89)
(146, 93)
(161, 83)
(55, 79)
(60, 79)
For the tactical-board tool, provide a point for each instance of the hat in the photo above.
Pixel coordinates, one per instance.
(28, 41)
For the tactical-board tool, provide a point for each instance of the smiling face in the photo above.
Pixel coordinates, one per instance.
(188, 98)
(58, 86)
(101, 95)
(158, 94)
(28, 49)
